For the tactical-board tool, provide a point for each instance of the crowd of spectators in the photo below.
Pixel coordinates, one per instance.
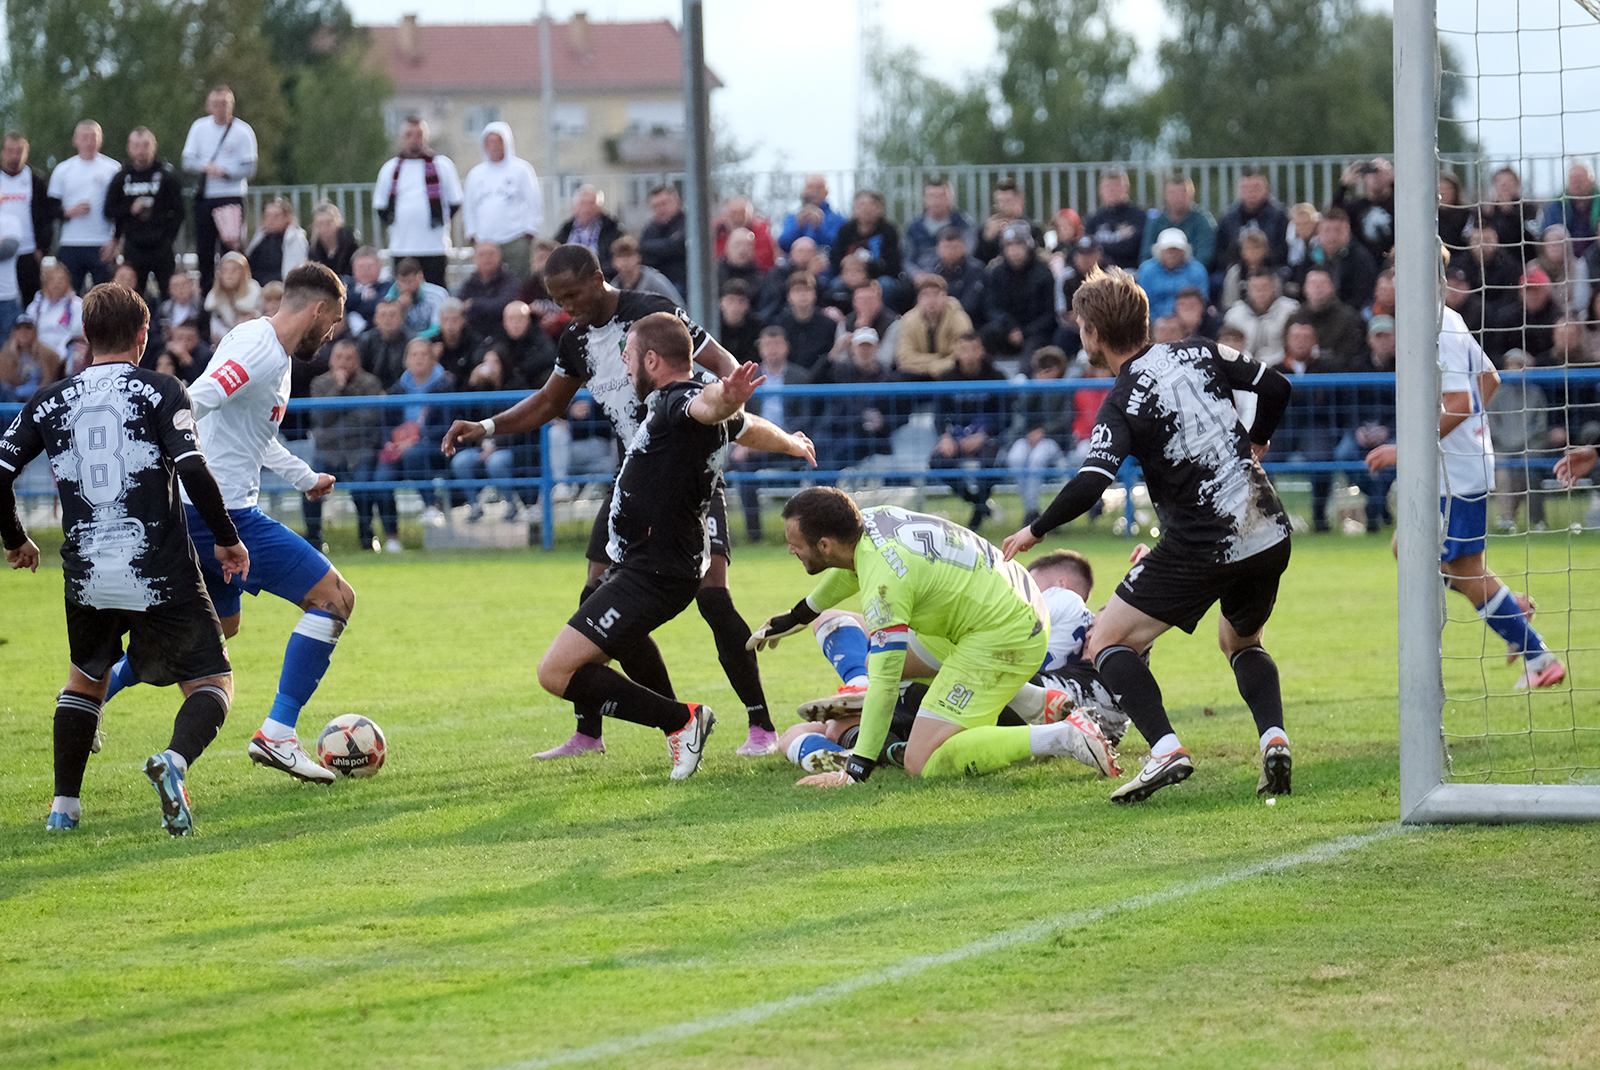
(822, 297)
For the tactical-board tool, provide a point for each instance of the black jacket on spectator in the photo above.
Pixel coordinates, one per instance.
(809, 342)
(529, 359)
(1371, 223)
(881, 243)
(345, 245)
(665, 247)
(461, 358)
(773, 293)
(845, 439)
(346, 438)
(1516, 225)
(1024, 299)
(740, 338)
(363, 300)
(383, 357)
(610, 231)
(964, 282)
(1120, 231)
(1341, 335)
(1268, 217)
(489, 298)
(981, 410)
(156, 231)
(1353, 271)
(749, 274)
(1513, 325)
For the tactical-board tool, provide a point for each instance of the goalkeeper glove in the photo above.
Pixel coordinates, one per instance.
(783, 624)
(858, 768)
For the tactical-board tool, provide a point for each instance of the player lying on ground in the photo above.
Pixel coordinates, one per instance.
(1224, 534)
(924, 574)
(1466, 475)
(657, 533)
(240, 401)
(1066, 683)
(116, 435)
(590, 354)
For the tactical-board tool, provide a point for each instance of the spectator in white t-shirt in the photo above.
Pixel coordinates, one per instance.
(503, 203)
(221, 150)
(417, 193)
(78, 195)
(57, 311)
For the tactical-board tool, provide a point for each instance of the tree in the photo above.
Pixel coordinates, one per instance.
(1060, 93)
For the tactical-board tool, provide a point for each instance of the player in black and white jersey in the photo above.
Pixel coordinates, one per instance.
(117, 435)
(589, 354)
(657, 535)
(1224, 533)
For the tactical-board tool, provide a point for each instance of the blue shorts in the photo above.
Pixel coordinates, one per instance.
(281, 562)
(1465, 522)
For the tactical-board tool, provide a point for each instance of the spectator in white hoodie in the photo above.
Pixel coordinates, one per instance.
(503, 203)
(1263, 316)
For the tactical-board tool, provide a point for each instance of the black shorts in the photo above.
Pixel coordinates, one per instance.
(629, 605)
(716, 527)
(167, 644)
(1177, 589)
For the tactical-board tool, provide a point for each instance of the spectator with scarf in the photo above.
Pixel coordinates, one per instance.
(416, 195)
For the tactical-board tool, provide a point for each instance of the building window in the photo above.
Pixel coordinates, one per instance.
(656, 117)
(571, 121)
(478, 118)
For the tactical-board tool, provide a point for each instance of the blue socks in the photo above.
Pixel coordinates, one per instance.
(844, 644)
(304, 662)
(122, 675)
(1507, 620)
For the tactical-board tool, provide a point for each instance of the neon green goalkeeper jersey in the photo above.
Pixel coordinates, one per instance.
(923, 574)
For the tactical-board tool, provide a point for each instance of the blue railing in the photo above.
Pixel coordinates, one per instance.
(1317, 437)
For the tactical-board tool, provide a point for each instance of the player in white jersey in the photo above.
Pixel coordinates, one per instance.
(240, 402)
(1466, 475)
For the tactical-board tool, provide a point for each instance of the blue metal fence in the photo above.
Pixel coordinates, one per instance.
(1331, 423)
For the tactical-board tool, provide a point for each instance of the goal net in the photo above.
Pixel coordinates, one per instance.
(1491, 729)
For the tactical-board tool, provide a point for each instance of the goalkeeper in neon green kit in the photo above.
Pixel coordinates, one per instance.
(923, 574)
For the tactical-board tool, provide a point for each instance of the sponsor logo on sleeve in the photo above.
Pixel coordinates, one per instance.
(230, 376)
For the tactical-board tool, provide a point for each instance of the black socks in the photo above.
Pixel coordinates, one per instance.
(1138, 695)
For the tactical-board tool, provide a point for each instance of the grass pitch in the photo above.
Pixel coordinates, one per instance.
(468, 909)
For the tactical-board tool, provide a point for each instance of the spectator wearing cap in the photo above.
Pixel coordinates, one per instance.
(970, 424)
(1527, 325)
(664, 241)
(737, 260)
(739, 214)
(773, 348)
(1010, 206)
(859, 424)
(809, 331)
(26, 364)
(1263, 315)
(1366, 193)
(928, 334)
(803, 258)
(868, 310)
(962, 272)
(740, 327)
(1118, 225)
(1047, 419)
(1340, 333)
(1171, 269)
(634, 274)
(814, 219)
(938, 212)
(1577, 209)
(1255, 210)
(1178, 211)
(869, 237)
(487, 291)
(1019, 297)
(590, 227)
(1348, 263)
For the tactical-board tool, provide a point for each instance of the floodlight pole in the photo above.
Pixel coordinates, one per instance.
(697, 192)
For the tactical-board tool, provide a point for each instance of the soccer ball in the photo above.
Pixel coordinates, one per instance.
(352, 745)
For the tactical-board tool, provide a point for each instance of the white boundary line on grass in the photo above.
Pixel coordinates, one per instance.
(910, 967)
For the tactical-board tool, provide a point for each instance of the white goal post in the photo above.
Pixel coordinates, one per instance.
(1426, 795)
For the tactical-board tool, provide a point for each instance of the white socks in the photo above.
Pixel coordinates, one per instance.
(1273, 735)
(1165, 746)
(67, 804)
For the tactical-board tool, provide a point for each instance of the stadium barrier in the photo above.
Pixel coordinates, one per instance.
(1320, 437)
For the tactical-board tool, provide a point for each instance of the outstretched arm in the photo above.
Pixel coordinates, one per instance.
(760, 434)
(727, 395)
(531, 413)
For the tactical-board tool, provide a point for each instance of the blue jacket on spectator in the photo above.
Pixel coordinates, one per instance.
(823, 233)
(434, 419)
(922, 239)
(1197, 226)
(1580, 215)
(1162, 286)
(964, 282)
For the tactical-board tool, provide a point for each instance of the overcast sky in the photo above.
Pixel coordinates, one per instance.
(784, 63)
